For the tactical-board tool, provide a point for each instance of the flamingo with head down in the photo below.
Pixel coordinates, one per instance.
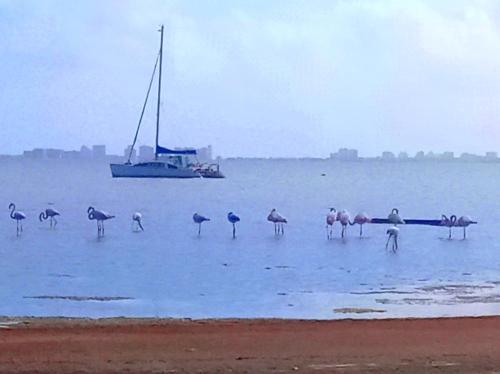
(137, 220)
(393, 233)
(344, 218)
(360, 219)
(278, 221)
(331, 217)
(50, 214)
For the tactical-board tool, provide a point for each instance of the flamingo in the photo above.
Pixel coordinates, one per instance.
(393, 233)
(343, 217)
(331, 217)
(464, 221)
(360, 219)
(278, 221)
(448, 222)
(51, 214)
(18, 216)
(233, 218)
(394, 217)
(137, 218)
(199, 219)
(100, 217)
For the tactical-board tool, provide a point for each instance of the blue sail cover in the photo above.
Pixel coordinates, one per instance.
(166, 151)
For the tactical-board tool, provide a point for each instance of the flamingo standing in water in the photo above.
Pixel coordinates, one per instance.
(18, 216)
(360, 219)
(393, 233)
(331, 217)
(51, 214)
(278, 221)
(199, 219)
(448, 222)
(464, 221)
(343, 217)
(233, 218)
(137, 219)
(100, 217)
(395, 218)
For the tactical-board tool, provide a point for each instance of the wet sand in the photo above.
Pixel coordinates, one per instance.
(442, 345)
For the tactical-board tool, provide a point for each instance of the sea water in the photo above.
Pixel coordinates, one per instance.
(168, 271)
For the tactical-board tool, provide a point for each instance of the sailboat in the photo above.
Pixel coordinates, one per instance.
(167, 163)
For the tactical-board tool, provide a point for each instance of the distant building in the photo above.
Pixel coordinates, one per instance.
(388, 156)
(146, 153)
(345, 154)
(85, 152)
(403, 156)
(491, 156)
(420, 156)
(71, 155)
(99, 152)
(204, 154)
(127, 153)
(430, 156)
(448, 156)
(469, 157)
(54, 153)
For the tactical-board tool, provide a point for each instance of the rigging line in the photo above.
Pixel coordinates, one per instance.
(143, 109)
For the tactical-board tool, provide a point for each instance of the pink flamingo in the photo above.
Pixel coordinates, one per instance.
(331, 217)
(448, 222)
(360, 219)
(343, 217)
(278, 221)
(464, 221)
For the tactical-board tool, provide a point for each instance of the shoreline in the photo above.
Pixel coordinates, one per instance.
(414, 345)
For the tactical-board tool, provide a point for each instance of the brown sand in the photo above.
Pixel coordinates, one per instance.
(446, 345)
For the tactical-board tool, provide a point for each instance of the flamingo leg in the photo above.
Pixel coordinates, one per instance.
(199, 229)
(55, 222)
(395, 244)
(21, 224)
(465, 235)
(234, 231)
(282, 229)
(360, 230)
(343, 231)
(449, 234)
(387, 243)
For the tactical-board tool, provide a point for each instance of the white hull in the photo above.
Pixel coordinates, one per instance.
(150, 171)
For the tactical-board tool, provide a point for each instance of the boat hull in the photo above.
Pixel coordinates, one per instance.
(132, 171)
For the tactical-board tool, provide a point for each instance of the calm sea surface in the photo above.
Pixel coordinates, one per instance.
(167, 271)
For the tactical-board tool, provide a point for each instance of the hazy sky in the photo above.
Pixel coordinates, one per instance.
(262, 78)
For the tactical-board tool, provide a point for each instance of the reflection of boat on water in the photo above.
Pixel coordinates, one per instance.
(167, 163)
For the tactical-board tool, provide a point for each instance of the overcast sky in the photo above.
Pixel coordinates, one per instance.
(253, 78)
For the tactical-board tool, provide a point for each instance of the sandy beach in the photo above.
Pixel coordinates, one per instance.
(58, 345)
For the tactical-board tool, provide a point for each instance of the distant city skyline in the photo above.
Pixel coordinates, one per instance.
(265, 79)
(205, 154)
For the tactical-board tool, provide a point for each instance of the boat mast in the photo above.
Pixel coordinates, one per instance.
(159, 94)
